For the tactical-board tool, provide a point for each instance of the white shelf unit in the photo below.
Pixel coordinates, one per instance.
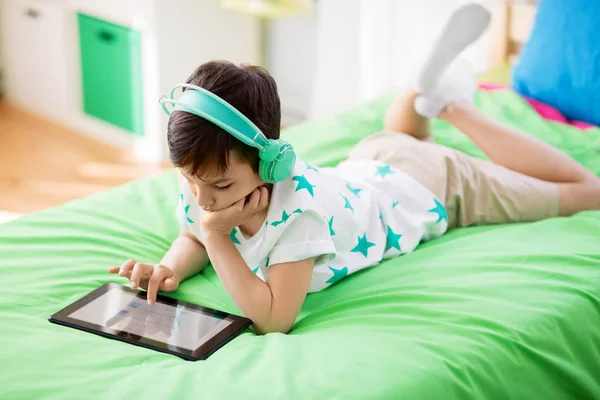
(41, 57)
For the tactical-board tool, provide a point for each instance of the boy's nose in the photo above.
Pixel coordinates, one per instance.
(204, 200)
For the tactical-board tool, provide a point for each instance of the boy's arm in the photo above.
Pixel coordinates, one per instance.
(273, 305)
(186, 256)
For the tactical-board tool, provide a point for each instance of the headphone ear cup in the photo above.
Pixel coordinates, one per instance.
(279, 167)
(270, 151)
(263, 171)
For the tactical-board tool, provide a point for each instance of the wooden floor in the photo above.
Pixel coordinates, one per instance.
(43, 164)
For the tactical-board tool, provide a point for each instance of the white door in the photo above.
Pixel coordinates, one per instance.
(35, 56)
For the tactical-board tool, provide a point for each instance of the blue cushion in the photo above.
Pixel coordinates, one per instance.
(560, 64)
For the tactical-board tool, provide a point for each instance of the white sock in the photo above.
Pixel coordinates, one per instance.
(457, 84)
(463, 28)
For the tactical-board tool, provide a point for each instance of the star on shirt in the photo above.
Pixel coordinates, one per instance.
(440, 210)
(337, 274)
(186, 209)
(392, 240)
(355, 191)
(347, 203)
(308, 166)
(303, 183)
(363, 245)
(234, 238)
(330, 223)
(285, 216)
(255, 270)
(383, 170)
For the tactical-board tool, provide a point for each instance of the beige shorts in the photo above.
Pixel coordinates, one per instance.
(475, 191)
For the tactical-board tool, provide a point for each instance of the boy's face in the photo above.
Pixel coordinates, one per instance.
(216, 192)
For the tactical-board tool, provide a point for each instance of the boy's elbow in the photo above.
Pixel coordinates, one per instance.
(275, 319)
(262, 328)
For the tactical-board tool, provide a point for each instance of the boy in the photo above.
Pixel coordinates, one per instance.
(271, 244)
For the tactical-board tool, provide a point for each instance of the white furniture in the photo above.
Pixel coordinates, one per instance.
(42, 66)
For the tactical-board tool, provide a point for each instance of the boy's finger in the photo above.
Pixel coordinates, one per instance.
(127, 266)
(114, 270)
(140, 271)
(143, 284)
(154, 284)
(169, 285)
(254, 199)
(239, 206)
(264, 198)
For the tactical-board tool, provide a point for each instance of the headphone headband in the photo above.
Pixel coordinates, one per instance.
(207, 105)
(277, 157)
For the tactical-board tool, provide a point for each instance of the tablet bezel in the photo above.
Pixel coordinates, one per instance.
(238, 324)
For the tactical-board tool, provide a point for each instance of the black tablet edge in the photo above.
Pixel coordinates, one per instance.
(185, 355)
(237, 325)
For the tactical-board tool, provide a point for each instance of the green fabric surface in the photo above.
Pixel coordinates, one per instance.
(503, 312)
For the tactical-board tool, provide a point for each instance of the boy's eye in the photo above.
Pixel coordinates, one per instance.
(223, 187)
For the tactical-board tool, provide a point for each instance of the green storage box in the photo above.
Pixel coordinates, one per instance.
(111, 73)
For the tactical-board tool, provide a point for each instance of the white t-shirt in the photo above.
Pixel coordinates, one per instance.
(349, 217)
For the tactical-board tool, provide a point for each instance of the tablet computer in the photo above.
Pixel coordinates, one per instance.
(172, 326)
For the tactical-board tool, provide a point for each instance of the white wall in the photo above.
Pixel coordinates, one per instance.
(291, 57)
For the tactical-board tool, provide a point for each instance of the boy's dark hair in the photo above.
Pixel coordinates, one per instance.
(201, 146)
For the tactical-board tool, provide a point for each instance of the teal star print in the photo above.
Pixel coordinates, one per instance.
(337, 274)
(303, 183)
(267, 263)
(353, 190)
(394, 204)
(392, 240)
(285, 216)
(383, 170)
(186, 209)
(308, 166)
(363, 246)
(440, 210)
(234, 239)
(331, 231)
(255, 270)
(347, 203)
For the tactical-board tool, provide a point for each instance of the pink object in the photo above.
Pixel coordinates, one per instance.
(544, 110)
(492, 86)
(582, 125)
(547, 112)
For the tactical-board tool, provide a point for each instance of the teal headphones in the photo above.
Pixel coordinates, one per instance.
(277, 157)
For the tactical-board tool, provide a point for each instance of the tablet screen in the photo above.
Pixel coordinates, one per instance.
(175, 325)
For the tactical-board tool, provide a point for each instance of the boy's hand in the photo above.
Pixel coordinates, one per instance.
(223, 221)
(150, 277)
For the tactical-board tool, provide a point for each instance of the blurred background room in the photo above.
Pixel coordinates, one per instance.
(80, 79)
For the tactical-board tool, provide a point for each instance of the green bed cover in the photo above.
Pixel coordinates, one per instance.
(504, 312)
